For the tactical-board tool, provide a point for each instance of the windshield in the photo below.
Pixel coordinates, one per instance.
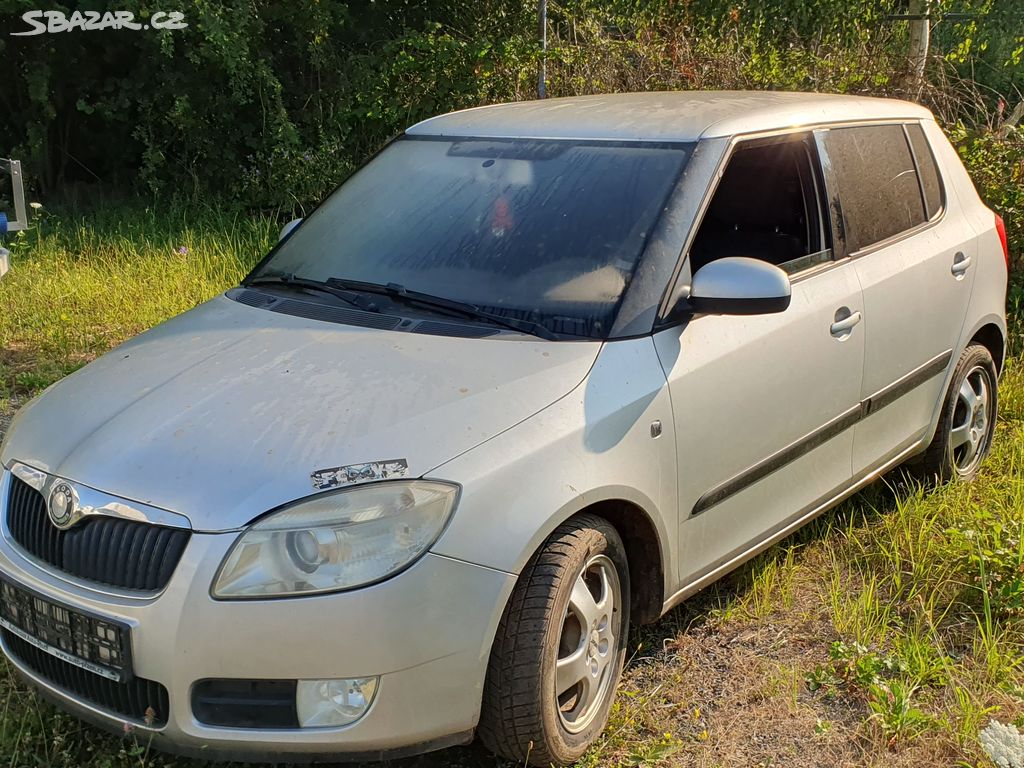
(544, 230)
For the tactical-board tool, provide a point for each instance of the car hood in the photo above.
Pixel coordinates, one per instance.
(225, 412)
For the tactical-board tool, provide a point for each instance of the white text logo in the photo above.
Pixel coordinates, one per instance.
(58, 21)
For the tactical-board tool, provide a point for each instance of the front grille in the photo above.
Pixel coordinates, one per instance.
(141, 700)
(108, 550)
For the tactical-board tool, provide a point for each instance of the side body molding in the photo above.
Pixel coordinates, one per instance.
(827, 431)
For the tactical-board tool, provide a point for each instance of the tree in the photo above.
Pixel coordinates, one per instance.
(920, 36)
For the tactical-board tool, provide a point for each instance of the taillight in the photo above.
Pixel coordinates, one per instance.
(1001, 229)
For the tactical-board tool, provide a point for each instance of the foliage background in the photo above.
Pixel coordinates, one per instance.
(886, 633)
(271, 103)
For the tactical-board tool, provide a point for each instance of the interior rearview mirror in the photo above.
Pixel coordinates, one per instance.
(739, 286)
(287, 229)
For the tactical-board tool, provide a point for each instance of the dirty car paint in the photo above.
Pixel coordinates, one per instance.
(222, 413)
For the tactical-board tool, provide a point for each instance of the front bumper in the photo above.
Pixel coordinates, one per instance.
(427, 633)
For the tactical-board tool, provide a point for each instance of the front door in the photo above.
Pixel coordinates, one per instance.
(764, 405)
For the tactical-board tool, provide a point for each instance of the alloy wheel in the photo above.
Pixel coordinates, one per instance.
(588, 644)
(971, 427)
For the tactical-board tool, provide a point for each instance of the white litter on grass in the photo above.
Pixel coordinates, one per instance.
(1003, 743)
(5, 261)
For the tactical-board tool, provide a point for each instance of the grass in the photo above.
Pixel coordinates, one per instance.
(888, 632)
(87, 285)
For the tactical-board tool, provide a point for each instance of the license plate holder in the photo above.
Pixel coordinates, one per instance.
(87, 640)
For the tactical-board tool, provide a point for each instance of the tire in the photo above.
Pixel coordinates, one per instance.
(963, 437)
(523, 717)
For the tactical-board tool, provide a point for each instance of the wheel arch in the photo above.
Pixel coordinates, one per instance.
(991, 336)
(643, 532)
(643, 551)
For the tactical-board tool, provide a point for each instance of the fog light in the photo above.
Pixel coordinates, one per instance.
(325, 703)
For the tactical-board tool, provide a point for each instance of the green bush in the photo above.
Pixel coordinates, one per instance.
(273, 103)
(996, 165)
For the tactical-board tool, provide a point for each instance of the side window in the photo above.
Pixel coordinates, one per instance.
(767, 206)
(877, 181)
(927, 170)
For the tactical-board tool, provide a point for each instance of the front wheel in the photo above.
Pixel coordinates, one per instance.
(560, 647)
(967, 422)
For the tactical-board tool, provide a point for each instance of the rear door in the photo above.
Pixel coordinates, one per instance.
(913, 257)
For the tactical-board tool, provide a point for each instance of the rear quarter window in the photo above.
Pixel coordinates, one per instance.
(927, 169)
(878, 184)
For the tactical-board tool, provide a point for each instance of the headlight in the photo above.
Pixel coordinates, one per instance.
(337, 541)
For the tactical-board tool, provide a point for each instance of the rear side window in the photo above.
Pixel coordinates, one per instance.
(877, 181)
(926, 168)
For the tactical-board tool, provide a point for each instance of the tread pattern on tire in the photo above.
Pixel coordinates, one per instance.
(511, 719)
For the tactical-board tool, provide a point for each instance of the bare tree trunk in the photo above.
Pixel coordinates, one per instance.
(542, 74)
(920, 34)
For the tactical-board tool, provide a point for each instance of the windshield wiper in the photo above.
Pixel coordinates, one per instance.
(401, 294)
(306, 285)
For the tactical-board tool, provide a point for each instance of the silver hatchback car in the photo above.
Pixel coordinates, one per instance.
(534, 372)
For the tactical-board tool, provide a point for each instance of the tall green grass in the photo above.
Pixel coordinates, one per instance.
(81, 284)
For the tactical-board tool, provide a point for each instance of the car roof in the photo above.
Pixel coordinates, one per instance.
(663, 115)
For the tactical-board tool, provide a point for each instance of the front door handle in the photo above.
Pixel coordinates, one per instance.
(961, 263)
(844, 322)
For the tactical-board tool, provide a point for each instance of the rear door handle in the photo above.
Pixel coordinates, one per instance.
(961, 263)
(844, 322)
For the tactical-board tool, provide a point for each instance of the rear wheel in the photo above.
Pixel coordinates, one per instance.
(964, 434)
(559, 650)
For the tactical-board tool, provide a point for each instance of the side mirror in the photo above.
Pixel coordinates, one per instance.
(287, 229)
(739, 286)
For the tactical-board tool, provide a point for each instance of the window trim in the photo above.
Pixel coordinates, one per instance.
(814, 188)
(907, 233)
(917, 173)
(935, 164)
(681, 274)
(817, 180)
